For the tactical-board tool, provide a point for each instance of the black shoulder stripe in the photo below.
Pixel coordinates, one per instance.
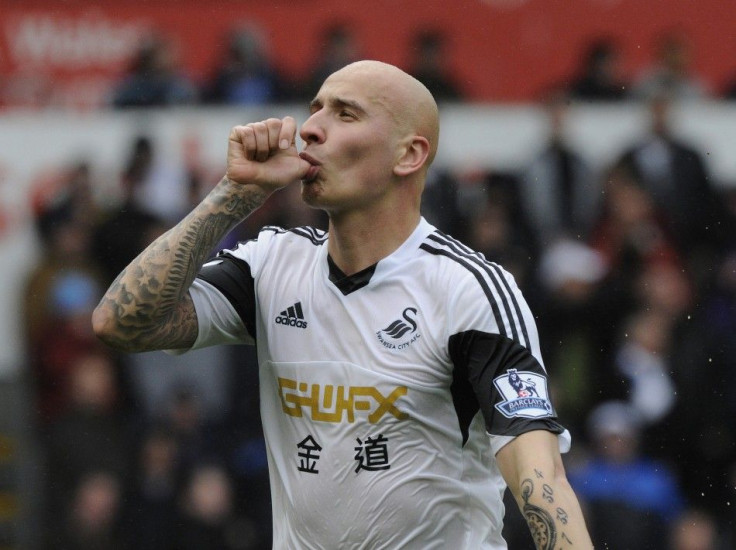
(478, 276)
(454, 253)
(272, 228)
(317, 236)
(310, 233)
(491, 268)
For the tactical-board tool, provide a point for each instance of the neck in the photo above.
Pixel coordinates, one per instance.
(361, 239)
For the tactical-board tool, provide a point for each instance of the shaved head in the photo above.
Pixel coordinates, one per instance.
(407, 100)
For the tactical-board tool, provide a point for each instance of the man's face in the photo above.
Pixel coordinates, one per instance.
(351, 139)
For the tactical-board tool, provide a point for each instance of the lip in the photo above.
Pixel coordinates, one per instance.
(313, 171)
(309, 158)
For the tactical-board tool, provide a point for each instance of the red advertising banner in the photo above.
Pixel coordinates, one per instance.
(69, 53)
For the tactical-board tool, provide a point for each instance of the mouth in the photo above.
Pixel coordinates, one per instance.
(313, 170)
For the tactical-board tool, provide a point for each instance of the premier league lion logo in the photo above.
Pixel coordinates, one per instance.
(524, 388)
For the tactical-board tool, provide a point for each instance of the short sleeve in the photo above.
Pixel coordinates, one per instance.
(219, 322)
(494, 348)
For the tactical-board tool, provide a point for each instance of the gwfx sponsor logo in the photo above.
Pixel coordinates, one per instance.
(328, 403)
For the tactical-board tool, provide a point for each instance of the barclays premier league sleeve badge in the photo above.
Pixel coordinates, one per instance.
(524, 394)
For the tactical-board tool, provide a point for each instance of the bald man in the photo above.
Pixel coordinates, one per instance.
(402, 387)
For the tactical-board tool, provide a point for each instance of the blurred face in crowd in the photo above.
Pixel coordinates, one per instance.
(96, 502)
(93, 382)
(694, 531)
(209, 495)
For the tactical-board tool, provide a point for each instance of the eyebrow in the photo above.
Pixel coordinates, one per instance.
(337, 103)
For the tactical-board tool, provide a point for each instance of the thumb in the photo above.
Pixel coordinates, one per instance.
(304, 167)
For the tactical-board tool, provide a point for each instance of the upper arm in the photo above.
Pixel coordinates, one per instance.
(505, 380)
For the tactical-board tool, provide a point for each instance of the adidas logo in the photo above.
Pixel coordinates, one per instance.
(292, 316)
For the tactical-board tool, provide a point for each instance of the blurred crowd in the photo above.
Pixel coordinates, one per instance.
(630, 271)
(246, 74)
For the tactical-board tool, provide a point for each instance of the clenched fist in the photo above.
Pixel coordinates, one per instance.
(264, 154)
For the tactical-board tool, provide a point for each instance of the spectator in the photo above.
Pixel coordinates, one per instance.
(245, 75)
(208, 521)
(671, 74)
(440, 202)
(619, 486)
(695, 530)
(248, 459)
(153, 79)
(164, 384)
(599, 78)
(130, 224)
(65, 338)
(674, 174)
(92, 520)
(151, 505)
(65, 213)
(337, 47)
(498, 229)
(705, 374)
(642, 358)
(558, 189)
(198, 438)
(89, 437)
(430, 64)
(570, 275)
(631, 231)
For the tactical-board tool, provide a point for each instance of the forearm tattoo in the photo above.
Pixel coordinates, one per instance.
(149, 298)
(542, 524)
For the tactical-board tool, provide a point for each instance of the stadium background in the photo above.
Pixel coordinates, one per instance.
(60, 63)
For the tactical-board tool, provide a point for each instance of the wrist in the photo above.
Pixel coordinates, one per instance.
(237, 188)
(238, 199)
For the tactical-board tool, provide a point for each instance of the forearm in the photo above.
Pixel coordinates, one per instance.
(147, 306)
(532, 467)
(551, 511)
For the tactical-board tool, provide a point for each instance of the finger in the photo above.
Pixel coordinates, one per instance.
(273, 126)
(248, 137)
(262, 150)
(287, 135)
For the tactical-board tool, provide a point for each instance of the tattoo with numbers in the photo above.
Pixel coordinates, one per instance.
(541, 523)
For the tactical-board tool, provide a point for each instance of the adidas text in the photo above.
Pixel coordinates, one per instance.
(292, 322)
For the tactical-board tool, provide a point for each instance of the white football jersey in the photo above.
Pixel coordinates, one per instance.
(385, 394)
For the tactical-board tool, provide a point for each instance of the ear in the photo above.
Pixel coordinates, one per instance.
(413, 156)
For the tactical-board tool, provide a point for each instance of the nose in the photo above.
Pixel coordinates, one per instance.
(312, 131)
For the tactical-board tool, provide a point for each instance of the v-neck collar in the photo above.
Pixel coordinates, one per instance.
(350, 283)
